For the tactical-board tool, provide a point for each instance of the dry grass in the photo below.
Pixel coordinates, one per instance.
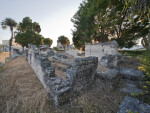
(3, 56)
(20, 90)
(100, 100)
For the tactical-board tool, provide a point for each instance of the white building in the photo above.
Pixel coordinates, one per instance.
(5, 42)
(16, 48)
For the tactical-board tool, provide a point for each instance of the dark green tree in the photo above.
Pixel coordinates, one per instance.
(25, 25)
(48, 41)
(139, 16)
(28, 32)
(64, 41)
(8, 22)
(28, 37)
(96, 20)
(99, 19)
(136, 7)
(142, 30)
(36, 27)
(22, 39)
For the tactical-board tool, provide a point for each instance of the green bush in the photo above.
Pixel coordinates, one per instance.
(56, 48)
(145, 67)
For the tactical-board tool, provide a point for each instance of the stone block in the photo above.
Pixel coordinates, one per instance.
(133, 105)
(106, 60)
(108, 74)
(131, 74)
(131, 89)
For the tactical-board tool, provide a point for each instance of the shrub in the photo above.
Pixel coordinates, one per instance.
(145, 67)
(56, 48)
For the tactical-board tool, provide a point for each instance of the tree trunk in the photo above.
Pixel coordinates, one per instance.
(22, 49)
(64, 47)
(116, 32)
(145, 43)
(10, 42)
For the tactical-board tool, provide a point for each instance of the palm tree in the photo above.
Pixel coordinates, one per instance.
(64, 41)
(8, 22)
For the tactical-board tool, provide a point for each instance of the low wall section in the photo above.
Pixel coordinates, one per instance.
(101, 49)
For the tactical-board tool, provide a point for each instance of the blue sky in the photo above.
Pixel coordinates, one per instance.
(52, 15)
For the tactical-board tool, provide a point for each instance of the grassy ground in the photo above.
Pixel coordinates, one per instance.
(22, 92)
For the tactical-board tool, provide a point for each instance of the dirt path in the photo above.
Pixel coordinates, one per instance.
(20, 89)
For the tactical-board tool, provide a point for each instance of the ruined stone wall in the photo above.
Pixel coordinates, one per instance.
(101, 49)
(78, 76)
(85, 70)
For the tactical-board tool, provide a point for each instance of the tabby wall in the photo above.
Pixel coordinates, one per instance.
(101, 49)
(81, 74)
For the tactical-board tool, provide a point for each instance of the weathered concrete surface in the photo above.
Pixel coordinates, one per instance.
(133, 105)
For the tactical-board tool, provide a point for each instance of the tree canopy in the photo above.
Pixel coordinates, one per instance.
(139, 15)
(8, 22)
(36, 27)
(136, 7)
(28, 37)
(100, 19)
(64, 41)
(48, 41)
(28, 32)
(25, 25)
